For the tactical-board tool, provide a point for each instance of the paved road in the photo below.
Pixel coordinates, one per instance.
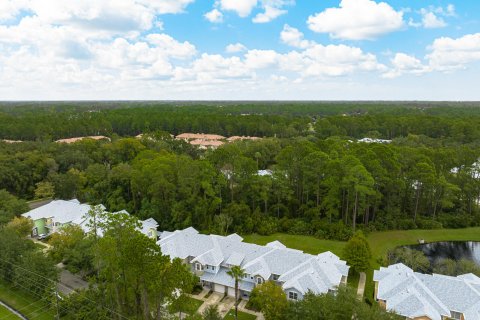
(69, 281)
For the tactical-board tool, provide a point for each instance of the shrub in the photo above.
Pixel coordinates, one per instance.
(429, 224)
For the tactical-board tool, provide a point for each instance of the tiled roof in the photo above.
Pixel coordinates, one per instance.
(303, 271)
(414, 294)
(72, 140)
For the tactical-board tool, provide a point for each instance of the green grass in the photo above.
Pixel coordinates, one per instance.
(195, 303)
(305, 243)
(241, 315)
(380, 243)
(29, 305)
(5, 314)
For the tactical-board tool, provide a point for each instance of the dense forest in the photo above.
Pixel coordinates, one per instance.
(320, 181)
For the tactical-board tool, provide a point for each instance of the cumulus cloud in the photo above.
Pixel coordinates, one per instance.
(433, 17)
(293, 37)
(431, 21)
(403, 63)
(214, 16)
(449, 54)
(235, 47)
(242, 7)
(270, 14)
(357, 20)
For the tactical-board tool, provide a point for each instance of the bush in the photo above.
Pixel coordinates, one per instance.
(300, 227)
(429, 224)
(332, 231)
(405, 224)
(458, 221)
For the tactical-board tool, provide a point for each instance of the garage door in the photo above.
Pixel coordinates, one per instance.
(219, 288)
(231, 292)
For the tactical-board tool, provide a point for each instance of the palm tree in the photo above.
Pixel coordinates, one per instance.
(236, 272)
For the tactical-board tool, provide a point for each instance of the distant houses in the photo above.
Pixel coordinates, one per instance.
(50, 218)
(427, 297)
(212, 256)
(210, 141)
(76, 139)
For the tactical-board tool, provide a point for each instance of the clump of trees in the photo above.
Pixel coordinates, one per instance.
(320, 181)
(343, 304)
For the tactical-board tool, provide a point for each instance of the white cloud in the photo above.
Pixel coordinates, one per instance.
(329, 61)
(431, 21)
(271, 13)
(214, 16)
(449, 54)
(235, 47)
(242, 7)
(433, 17)
(403, 63)
(293, 37)
(357, 20)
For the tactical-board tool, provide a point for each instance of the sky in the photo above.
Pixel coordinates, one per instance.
(239, 50)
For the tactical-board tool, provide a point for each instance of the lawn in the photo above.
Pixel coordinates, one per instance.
(195, 303)
(31, 306)
(241, 315)
(5, 314)
(305, 243)
(380, 243)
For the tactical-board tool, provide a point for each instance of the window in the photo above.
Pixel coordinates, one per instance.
(456, 315)
(293, 295)
(275, 277)
(198, 267)
(213, 268)
(259, 280)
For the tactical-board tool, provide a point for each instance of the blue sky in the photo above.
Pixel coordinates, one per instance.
(239, 49)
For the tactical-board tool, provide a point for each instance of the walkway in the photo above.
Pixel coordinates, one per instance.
(361, 285)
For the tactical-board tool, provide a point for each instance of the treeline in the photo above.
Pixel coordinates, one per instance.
(450, 122)
(323, 187)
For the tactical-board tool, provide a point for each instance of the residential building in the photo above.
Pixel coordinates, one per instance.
(427, 297)
(212, 256)
(51, 217)
(199, 136)
(73, 140)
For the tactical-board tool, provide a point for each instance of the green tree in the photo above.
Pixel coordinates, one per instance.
(44, 190)
(211, 313)
(237, 273)
(270, 299)
(357, 253)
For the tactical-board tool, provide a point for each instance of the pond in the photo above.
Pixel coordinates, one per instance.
(455, 250)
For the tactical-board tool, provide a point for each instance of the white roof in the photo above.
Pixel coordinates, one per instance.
(72, 211)
(414, 294)
(61, 211)
(298, 269)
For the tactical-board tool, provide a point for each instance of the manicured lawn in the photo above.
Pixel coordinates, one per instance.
(31, 306)
(241, 315)
(7, 315)
(195, 303)
(305, 243)
(380, 243)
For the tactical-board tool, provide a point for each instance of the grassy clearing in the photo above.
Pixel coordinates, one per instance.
(5, 314)
(305, 243)
(32, 307)
(380, 243)
(241, 315)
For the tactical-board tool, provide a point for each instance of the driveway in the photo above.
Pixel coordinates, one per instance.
(214, 298)
(225, 305)
(69, 281)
